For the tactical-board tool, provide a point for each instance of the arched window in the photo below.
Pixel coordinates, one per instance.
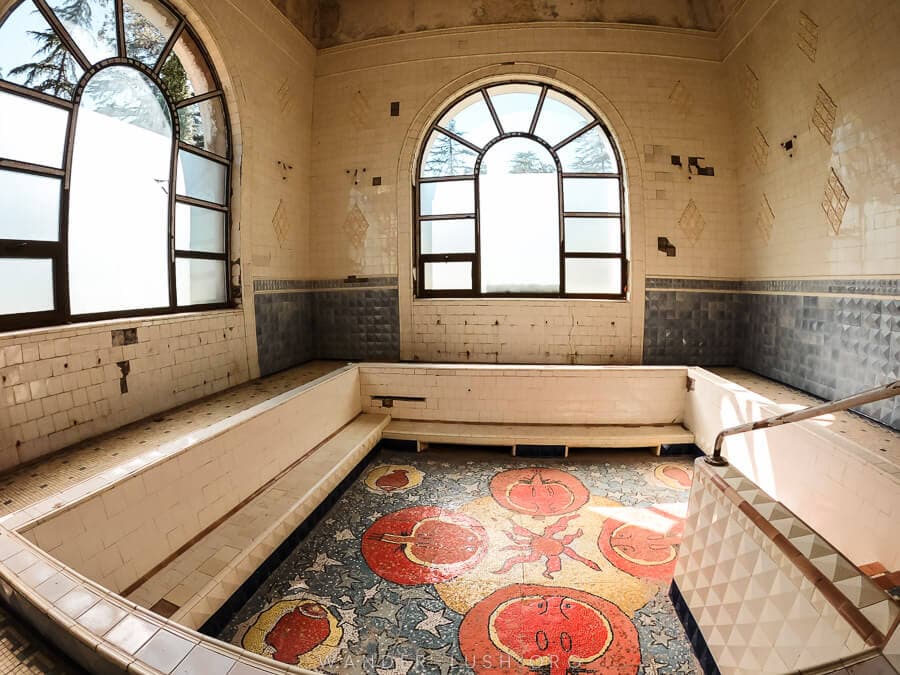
(520, 193)
(114, 164)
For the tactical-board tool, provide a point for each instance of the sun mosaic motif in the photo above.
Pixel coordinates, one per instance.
(462, 564)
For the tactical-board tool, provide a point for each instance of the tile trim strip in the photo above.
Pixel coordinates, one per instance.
(841, 603)
(374, 281)
(885, 287)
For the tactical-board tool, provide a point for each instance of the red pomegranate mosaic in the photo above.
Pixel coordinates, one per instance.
(643, 550)
(531, 628)
(539, 491)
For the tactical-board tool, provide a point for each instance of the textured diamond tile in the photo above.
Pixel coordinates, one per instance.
(835, 201)
(808, 36)
(765, 219)
(680, 99)
(824, 114)
(691, 223)
(751, 87)
(760, 150)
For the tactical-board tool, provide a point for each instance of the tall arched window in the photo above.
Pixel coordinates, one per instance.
(520, 193)
(114, 164)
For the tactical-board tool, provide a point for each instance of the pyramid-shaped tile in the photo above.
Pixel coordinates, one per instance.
(860, 591)
(835, 567)
(774, 663)
(882, 614)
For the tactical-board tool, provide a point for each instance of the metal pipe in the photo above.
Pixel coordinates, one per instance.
(868, 396)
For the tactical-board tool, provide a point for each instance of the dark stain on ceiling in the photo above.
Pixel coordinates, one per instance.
(335, 22)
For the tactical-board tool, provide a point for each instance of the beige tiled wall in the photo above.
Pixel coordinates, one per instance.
(662, 93)
(117, 535)
(540, 395)
(831, 64)
(63, 385)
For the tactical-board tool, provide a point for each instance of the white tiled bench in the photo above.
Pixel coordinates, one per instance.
(199, 579)
(568, 435)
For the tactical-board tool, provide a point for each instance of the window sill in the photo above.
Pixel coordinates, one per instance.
(68, 329)
(533, 300)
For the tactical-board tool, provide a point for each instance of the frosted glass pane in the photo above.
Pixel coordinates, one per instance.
(593, 235)
(451, 197)
(471, 119)
(148, 27)
(119, 204)
(449, 276)
(593, 275)
(586, 195)
(27, 285)
(445, 157)
(199, 229)
(588, 153)
(91, 23)
(561, 116)
(203, 125)
(32, 131)
(31, 54)
(515, 105)
(519, 208)
(29, 206)
(186, 72)
(200, 282)
(201, 178)
(448, 236)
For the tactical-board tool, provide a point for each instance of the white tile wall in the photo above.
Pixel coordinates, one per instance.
(62, 385)
(522, 394)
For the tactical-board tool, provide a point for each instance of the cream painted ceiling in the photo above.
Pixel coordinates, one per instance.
(333, 22)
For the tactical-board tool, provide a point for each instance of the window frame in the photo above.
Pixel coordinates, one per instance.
(421, 259)
(58, 251)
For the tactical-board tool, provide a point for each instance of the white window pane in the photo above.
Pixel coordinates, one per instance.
(199, 229)
(586, 195)
(29, 206)
(31, 131)
(588, 153)
(519, 208)
(448, 236)
(593, 235)
(27, 285)
(201, 178)
(471, 119)
(447, 198)
(447, 157)
(148, 26)
(561, 116)
(515, 105)
(593, 275)
(449, 276)
(91, 23)
(24, 37)
(200, 282)
(119, 204)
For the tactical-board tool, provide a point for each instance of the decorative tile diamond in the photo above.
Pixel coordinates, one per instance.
(691, 223)
(808, 36)
(751, 87)
(824, 114)
(760, 149)
(280, 223)
(681, 98)
(835, 201)
(765, 219)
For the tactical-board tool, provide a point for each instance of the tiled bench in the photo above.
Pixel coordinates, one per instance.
(568, 435)
(192, 585)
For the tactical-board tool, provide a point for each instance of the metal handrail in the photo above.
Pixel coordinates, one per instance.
(869, 396)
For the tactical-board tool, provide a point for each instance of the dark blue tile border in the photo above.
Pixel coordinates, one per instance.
(692, 630)
(216, 623)
(889, 287)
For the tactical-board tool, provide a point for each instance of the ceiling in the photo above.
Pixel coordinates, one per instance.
(335, 22)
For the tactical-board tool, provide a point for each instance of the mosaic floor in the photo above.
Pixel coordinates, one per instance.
(458, 561)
